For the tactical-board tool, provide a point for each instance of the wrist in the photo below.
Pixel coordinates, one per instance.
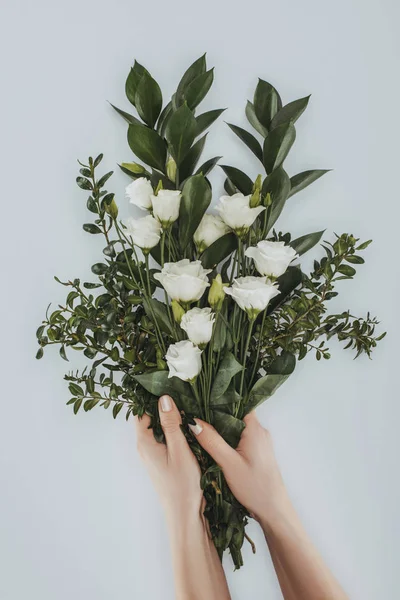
(275, 513)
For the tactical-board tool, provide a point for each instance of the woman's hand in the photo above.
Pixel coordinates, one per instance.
(175, 473)
(173, 467)
(251, 470)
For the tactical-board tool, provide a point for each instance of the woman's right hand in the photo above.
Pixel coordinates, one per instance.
(251, 470)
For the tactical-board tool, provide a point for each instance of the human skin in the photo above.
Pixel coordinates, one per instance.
(253, 475)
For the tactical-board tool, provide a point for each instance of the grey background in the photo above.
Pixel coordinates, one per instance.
(78, 516)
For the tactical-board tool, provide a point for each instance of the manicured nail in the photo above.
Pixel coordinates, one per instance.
(196, 429)
(166, 405)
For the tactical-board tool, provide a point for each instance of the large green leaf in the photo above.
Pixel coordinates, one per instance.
(198, 88)
(129, 118)
(248, 139)
(154, 307)
(219, 250)
(287, 282)
(239, 179)
(195, 69)
(133, 80)
(163, 118)
(277, 184)
(229, 398)
(280, 369)
(228, 368)
(158, 383)
(302, 180)
(180, 132)
(191, 159)
(253, 119)
(206, 119)
(148, 99)
(208, 166)
(267, 102)
(277, 145)
(147, 145)
(306, 242)
(290, 112)
(228, 426)
(196, 198)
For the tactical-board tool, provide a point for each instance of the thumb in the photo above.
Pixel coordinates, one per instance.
(171, 421)
(209, 439)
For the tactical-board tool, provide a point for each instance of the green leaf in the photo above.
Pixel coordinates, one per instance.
(356, 260)
(287, 282)
(302, 180)
(208, 166)
(306, 242)
(347, 270)
(198, 88)
(75, 389)
(163, 119)
(248, 139)
(99, 268)
(196, 198)
(84, 183)
(280, 369)
(277, 184)
(197, 68)
(148, 99)
(160, 312)
(191, 159)
(290, 112)
(239, 179)
(128, 118)
(180, 132)
(206, 119)
(253, 119)
(77, 405)
(364, 245)
(158, 383)
(62, 353)
(219, 250)
(133, 80)
(148, 146)
(104, 179)
(277, 145)
(39, 353)
(267, 102)
(229, 427)
(228, 368)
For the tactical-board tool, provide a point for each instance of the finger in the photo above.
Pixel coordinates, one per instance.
(251, 419)
(143, 431)
(171, 421)
(223, 454)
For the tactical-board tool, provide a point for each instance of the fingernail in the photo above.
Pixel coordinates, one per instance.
(166, 405)
(196, 429)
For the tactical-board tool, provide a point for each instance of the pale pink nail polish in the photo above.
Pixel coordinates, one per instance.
(196, 429)
(166, 405)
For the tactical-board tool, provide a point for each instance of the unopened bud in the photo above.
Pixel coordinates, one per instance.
(177, 311)
(171, 169)
(134, 168)
(111, 209)
(216, 294)
(268, 200)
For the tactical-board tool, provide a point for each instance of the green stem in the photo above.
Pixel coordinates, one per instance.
(246, 348)
(258, 347)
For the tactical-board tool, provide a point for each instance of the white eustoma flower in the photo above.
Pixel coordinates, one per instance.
(252, 294)
(198, 324)
(235, 211)
(184, 360)
(271, 258)
(210, 229)
(166, 206)
(184, 280)
(144, 232)
(139, 193)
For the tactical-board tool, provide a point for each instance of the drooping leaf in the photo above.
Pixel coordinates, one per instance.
(281, 368)
(206, 119)
(248, 139)
(148, 146)
(158, 383)
(133, 79)
(128, 118)
(277, 184)
(219, 250)
(302, 180)
(191, 159)
(239, 179)
(208, 166)
(253, 119)
(196, 198)
(267, 102)
(277, 146)
(229, 427)
(228, 368)
(180, 132)
(306, 242)
(290, 112)
(148, 99)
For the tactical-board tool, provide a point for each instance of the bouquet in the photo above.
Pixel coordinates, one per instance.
(211, 308)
